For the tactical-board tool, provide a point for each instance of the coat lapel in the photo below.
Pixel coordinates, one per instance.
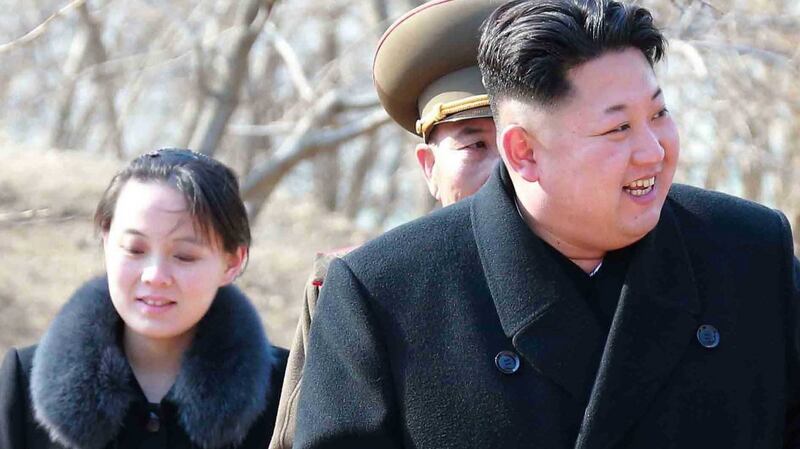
(655, 321)
(539, 308)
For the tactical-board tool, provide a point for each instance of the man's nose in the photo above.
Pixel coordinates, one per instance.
(648, 150)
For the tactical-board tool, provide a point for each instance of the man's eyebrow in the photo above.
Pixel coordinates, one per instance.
(470, 130)
(621, 107)
(657, 94)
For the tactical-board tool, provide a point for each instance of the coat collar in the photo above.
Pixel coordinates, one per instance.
(656, 320)
(553, 329)
(535, 300)
(82, 386)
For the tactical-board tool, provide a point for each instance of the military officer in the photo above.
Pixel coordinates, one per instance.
(426, 75)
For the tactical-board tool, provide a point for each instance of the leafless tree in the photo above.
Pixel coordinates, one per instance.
(280, 88)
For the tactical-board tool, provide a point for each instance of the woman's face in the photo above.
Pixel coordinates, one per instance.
(162, 274)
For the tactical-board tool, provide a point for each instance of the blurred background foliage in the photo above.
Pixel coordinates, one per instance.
(282, 91)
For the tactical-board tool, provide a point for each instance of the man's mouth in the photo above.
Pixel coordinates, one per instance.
(640, 187)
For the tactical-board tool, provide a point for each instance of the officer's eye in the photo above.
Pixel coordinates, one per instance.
(479, 145)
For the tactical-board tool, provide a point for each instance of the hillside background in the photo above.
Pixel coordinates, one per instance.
(282, 92)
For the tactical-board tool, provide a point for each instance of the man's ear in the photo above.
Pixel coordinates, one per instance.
(518, 148)
(426, 159)
(235, 264)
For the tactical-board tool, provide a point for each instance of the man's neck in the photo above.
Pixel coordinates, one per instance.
(588, 260)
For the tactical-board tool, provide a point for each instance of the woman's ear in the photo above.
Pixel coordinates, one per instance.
(236, 262)
(518, 148)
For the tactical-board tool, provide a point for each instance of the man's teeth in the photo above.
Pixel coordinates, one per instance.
(641, 186)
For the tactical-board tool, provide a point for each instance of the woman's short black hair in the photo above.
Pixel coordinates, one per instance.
(528, 46)
(210, 189)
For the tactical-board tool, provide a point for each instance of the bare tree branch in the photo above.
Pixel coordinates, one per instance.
(29, 216)
(349, 103)
(99, 54)
(347, 131)
(358, 178)
(363, 101)
(387, 204)
(208, 135)
(768, 56)
(293, 65)
(690, 53)
(37, 31)
(268, 130)
(299, 146)
(59, 135)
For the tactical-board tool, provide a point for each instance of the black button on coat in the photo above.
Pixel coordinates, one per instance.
(75, 389)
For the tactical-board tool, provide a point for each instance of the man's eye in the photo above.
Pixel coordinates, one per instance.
(662, 113)
(621, 128)
(479, 145)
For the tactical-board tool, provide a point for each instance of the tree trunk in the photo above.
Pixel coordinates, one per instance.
(104, 82)
(365, 162)
(214, 120)
(301, 145)
(387, 206)
(59, 135)
(327, 167)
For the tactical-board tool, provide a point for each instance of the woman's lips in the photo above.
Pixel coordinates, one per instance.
(154, 305)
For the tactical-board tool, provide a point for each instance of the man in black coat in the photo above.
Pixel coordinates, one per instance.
(579, 299)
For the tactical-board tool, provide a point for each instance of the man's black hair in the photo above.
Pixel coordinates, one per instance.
(528, 46)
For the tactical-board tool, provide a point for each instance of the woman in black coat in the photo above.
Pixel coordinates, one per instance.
(162, 352)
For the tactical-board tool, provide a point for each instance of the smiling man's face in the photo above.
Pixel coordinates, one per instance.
(603, 158)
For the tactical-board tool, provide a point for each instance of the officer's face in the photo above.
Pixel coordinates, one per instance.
(602, 161)
(459, 158)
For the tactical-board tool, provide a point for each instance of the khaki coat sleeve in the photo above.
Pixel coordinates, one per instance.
(283, 436)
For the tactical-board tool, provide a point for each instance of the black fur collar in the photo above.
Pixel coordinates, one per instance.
(81, 383)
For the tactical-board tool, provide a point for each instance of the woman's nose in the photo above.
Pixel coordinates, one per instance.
(157, 272)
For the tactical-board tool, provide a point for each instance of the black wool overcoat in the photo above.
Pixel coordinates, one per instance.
(76, 390)
(403, 350)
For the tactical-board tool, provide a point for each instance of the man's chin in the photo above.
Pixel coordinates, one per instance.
(641, 226)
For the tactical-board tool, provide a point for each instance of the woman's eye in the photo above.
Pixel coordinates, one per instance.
(132, 250)
(186, 257)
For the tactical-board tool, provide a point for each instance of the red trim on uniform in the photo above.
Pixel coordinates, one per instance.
(317, 282)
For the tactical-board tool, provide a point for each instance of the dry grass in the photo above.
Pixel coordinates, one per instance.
(48, 246)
